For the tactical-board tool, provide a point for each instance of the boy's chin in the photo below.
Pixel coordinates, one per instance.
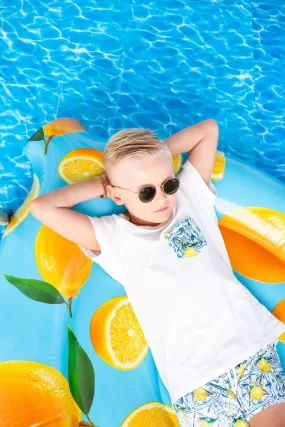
(154, 219)
(162, 216)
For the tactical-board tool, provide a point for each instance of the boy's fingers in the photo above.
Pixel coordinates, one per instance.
(105, 178)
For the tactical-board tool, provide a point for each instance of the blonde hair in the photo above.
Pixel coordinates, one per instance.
(132, 143)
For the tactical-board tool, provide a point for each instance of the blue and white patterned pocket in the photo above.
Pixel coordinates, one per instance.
(185, 238)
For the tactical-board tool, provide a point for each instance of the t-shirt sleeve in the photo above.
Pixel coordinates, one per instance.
(109, 258)
(194, 187)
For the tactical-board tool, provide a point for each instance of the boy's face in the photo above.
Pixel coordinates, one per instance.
(134, 174)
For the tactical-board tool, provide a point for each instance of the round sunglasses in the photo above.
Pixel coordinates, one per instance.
(147, 193)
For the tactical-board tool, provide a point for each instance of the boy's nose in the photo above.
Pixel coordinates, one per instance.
(160, 194)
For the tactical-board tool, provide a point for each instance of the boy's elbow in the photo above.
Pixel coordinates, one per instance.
(37, 208)
(212, 124)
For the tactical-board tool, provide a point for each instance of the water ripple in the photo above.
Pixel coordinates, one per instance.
(164, 64)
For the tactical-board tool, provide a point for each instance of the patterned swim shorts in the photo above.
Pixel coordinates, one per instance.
(235, 396)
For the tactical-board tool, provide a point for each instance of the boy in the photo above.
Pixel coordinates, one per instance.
(202, 325)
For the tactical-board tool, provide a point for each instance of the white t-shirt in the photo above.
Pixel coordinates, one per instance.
(198, 319)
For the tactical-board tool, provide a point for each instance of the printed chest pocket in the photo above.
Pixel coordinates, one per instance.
(185, 238)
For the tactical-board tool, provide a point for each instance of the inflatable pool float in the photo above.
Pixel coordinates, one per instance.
(72, 351)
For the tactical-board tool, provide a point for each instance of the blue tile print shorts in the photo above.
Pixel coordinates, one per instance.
(234, 397)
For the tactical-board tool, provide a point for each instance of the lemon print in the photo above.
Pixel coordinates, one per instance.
(219, 166)
(189, 252)
(62, 126)
(177, 163)
(61, 262)
(241, 369)
(255, 241)
(241, 423)
(23, 211)
(56, 127)
(279, 312)
(205, 424)
(153, 414)
(264, 365)
(200, 394)
(116, 334)
(231, 393)
(256, 393)
(33, 394)
(81, 165)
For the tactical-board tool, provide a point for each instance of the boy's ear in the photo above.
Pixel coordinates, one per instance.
(111, 192)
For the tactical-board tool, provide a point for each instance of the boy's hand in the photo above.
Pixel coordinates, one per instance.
(105, 178)
(200, 141)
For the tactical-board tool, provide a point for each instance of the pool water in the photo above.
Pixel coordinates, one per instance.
(162, 64)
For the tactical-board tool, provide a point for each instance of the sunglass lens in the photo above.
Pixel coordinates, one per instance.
(147, 194)
(171, 186)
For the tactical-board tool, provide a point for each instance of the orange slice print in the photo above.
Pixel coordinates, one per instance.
(219, 167)
(152, 414)
(81, 165)
(177, 163)
(279, 312)
(255, 241)
(116, 334)
(23, 211)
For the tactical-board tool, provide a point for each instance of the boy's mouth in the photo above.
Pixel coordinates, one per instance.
(162, 209)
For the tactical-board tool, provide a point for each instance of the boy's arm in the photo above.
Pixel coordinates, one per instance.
(200, 141)
(53, 210)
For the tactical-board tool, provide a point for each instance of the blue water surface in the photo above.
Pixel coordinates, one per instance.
(162, 64)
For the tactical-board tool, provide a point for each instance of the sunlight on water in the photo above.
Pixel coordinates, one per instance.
(164, 64)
